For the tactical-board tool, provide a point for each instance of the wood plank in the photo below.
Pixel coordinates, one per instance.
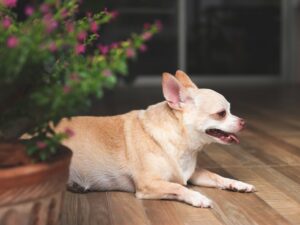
(125, 209)
(162, 212)
(70, 209)
(280, 142)
(292, 172)
(98, 208)
(283, 119)
(235, 208)
(166, 212)
(271, 152)
(273, 196)
(245, 159)
(286, 116)
(89, 208)
(219, 154)
(206, 162)
(289, 114)
(280, 181)
(293, 140)
(196, 216)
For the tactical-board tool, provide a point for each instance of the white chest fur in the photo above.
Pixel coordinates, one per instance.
(187, 165)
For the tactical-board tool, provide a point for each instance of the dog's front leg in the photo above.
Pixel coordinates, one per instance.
(202, 177)
(159, 189)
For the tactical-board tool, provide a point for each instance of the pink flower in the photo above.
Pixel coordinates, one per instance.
(69, 132)
(70, 27)
(50, 23)
(143, 48)
(158, 24)
(107, 73)
(6, 22)
(147, 35)
(81, 36)
(12, 42)
(64, 13)
(94, 27)
(114, 14)
(130, 53)
(52, 47)
(45, 8)
(51, 26)
(80, 48)
(103, 49)
(29, 10)
(67, 89)
(10, 3)
(147, 26)
(41, 144)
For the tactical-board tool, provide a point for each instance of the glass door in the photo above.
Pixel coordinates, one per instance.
(233, 37)
(212, 38)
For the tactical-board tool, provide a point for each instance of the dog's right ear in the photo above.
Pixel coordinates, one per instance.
(184, 79)
(174, 92)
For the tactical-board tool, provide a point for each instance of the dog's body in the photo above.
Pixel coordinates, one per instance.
(153, 152)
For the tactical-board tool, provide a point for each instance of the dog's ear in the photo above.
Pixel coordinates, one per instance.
(184, 79)
(174, 92)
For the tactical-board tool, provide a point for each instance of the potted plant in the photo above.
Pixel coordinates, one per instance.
(51, 63)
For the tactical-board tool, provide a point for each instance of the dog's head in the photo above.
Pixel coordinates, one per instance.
(204, 111)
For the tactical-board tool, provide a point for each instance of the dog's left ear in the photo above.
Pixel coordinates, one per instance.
(184, 79)
(174, 92)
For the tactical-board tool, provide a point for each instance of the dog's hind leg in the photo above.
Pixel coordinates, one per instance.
(205, 178)
(159, 189)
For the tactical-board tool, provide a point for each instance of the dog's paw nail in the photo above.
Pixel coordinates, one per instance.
(249, 188)
(207, 203)
(241, 187)
(252, 188)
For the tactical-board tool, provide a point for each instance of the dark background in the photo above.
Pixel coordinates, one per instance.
(231, 41)
(223, 37)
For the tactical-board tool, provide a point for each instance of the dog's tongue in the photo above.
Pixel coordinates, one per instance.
(234, 138)
(230, 138)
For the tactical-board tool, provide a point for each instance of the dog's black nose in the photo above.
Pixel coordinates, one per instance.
(242, 123)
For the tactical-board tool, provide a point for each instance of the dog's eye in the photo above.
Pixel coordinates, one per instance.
(222, 114)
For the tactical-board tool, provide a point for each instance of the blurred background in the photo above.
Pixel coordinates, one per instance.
(247, 50)
(214, 41)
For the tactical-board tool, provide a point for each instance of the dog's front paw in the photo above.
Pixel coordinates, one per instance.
(198, 200)
(240, 186)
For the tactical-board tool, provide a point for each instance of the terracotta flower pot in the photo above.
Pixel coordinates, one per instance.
(33, 193)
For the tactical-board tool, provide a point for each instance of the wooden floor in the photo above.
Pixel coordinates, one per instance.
(268, 157)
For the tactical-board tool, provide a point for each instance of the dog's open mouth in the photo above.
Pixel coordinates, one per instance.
(223, 136)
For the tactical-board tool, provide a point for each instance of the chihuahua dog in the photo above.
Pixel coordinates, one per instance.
(153, 152)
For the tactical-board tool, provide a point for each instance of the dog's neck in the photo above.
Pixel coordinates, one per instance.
(167, 127)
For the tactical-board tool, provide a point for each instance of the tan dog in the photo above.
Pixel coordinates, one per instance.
(153, 152)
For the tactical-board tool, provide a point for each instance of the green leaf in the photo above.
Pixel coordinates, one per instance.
(43, 155)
